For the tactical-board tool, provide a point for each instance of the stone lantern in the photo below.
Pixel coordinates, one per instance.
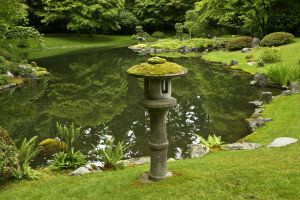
(157, 74)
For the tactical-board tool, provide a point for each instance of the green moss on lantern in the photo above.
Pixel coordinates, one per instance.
(156, 67)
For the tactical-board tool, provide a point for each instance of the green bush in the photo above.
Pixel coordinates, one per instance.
(270, 55)
(239, 43)
(158, 34)
(3, 66)
(277, 39)
(4, 80)
(22, 70)
(5, 54)
(281, 74)
(69, 160)
(8, 155)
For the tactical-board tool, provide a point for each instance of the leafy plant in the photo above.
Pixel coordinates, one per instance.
(270, 55)
(111, 154)
(3, 67)
(69, 134)
(277, 39)
(239, 43)
(27, 152)
(5, 54)
(4, 80)
(21, 70)
(158, 34)
(281, 74)
(214, 142)
(69, 160)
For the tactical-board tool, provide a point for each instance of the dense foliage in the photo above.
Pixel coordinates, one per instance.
(277, 39)
(239, 43)
(5, 54)
(282, 74)
(4, 80)
(158, 34)
(3, 66)
(270, 55)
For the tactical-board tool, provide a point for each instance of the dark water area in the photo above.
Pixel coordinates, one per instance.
(92, 90)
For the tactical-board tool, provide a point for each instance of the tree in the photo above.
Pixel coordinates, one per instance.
(141, 34)
(191, 21)
(127, 21)
(83, 15)
(179, 30)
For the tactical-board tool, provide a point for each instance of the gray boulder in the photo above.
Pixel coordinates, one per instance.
(261, 64)
(295, 86)
(286, 92)
(282, 141)
(266, 97)
(243, 146)
(260, 80)
(251, 63)
(255, 42)
(88, 168)
(246, 50)
(255, 104)
(159, 50)
(234, 63)
(198, 150)
(254, 123)
(215, 38)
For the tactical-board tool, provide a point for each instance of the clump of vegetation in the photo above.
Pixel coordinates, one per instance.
(179, 30)
(249, 56)
(4, 80)
(111, 154)
(52, 146)
(277, 39)
(271, 55)
(214, 142)
(158, 34)
(140, 34)
(281, 74)
(69, 159)
(26, 153)
(239, 43)
(21, 70)
(156, 60)
(3, 67)
(8, 155)
(5, 54)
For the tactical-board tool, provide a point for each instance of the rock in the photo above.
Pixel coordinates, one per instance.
(152, 50)
(139, 161)
(171, 160)
(206, 50)
(261, 80)
(261, 64)
(255, 42)
(233, 36)
(10, 75)
(215, 46)
(195, 49)
(234, 63)
(246, 50)
(295, 86)
(159, 50)
(254, 123)
(282, 141)
(255, 104)
(182, 47)
(257, 111)
(224, 64)
(266, 97)
(251, 63)
(215, 38)
(198, 150)
(89, 168)
(6, 86)
(243, 146)
(286, 92)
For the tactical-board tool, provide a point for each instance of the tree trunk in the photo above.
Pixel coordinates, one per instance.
(91, 32)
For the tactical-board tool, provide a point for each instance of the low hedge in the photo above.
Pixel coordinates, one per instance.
(239, 43)
(158, 34)
(277, 39)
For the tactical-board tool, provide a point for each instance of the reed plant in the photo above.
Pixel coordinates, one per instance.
(282, 74)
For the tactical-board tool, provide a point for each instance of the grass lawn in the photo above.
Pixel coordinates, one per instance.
(290, 55)
(266, 173)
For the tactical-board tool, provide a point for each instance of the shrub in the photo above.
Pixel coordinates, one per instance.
(22, 70)
(8, 154)
(281, 74)
(5, 54)
(27, 152)
(111, 154)
(52, 146)
(213, 142)
(239, 43)
(4, 80)
(158, 34)
(3, 66)
(277, 39)
(270, 55)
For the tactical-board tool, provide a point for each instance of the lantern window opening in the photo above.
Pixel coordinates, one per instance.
(164, 86)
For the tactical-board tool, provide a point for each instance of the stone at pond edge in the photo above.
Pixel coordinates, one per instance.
(243, 146)
(255, 104)
(234, 63)
(260, 80)
(88, 168)
(286, 93)
(261, 64)
(246, 50)
(198, 150)
(295, 86)
(266, 97)
(255, 42)
(254, 123)
(282, 141)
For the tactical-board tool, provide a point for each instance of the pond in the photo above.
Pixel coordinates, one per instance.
(91, 89)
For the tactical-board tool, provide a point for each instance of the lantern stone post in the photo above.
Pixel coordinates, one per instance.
(157, 74)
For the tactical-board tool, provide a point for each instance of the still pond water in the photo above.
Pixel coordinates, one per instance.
(92, 90)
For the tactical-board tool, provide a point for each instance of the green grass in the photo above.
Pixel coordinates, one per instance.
(57, 44)
(266, 173)
(290, 55)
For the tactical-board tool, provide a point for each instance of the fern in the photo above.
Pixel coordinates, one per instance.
(68, 134)
(214, 142)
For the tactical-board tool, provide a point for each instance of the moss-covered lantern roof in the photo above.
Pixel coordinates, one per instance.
(157, 67)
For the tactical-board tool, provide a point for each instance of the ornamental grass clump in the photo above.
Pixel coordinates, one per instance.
(282, 74)
(214, 142)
